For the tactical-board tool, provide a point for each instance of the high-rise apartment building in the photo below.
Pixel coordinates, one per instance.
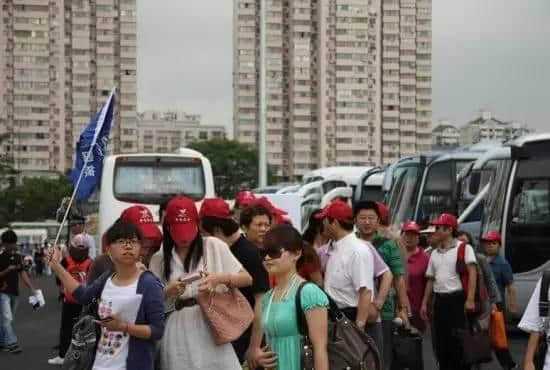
(166, 132)
(348, 81)
(58, 63)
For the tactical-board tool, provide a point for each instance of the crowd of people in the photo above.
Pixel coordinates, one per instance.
(150, 284)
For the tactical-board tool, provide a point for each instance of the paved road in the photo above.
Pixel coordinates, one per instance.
(38, 333)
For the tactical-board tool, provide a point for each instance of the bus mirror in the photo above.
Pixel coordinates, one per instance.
(519, 153)
(475, 180)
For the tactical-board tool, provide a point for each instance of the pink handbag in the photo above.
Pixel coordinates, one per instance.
(228, 314)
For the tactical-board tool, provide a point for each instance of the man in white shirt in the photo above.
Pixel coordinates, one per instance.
(452, 300)
(349, 275)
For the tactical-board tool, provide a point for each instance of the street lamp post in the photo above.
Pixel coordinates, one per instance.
(262, 155)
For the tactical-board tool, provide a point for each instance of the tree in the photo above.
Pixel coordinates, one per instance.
(36, 198)
(7, 172)
(235, 165)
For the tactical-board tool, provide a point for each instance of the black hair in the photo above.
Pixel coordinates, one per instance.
(423, 241)
(191, 259)
(122, 230)
(228, 226)
(345, 225)
(9, 237)
(162, 207)
(314, 227)
(467, 234)
(364, 205)
(287, 237)
(248, 214)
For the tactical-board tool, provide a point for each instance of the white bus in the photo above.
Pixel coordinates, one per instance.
(149, 180)
(513, 197)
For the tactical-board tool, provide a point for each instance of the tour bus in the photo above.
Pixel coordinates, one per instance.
(149, 180)
(514, 200)
(370, 185)
(424, 186)
(29, 236)
(51, 227)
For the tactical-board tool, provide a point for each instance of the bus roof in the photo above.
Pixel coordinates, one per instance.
(528, 139)
(181, 151)
(325, 172)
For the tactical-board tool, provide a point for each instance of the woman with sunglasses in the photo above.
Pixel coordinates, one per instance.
(130, 303)
(189, 264)
(282, 252)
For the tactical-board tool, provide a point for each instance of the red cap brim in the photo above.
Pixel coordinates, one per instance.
(185, 233)
(150, 231)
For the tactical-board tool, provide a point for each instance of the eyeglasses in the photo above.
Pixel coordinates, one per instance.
(273, 253)
(127, 242)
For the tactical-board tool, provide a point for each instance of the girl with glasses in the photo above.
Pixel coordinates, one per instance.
(130, 303)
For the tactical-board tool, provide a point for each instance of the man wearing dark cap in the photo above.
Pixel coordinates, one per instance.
(349, 274)
(78, 226)
(216, 220)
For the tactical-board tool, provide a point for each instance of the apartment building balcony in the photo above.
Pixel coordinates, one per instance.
(390, 66)
(390, 18)
(408, 116)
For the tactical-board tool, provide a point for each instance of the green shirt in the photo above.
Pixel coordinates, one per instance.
(389, 251)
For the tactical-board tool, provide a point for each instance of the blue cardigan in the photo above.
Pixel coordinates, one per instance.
(141, 352)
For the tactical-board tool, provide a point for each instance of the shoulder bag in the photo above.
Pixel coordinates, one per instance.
(228, 313)
(348, 346)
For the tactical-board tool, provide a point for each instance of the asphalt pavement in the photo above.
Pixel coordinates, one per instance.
(38, 332)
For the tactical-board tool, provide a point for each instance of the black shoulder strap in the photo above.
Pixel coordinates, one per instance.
(300, 315)
(334, 313)
(543, 297)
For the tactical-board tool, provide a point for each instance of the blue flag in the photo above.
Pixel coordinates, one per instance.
(91, 149)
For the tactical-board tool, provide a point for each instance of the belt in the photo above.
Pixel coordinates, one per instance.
(182, 303)
(450, 294)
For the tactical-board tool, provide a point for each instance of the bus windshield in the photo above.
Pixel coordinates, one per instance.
(150, 180)
(402, 197)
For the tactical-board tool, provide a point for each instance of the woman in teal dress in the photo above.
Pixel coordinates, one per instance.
(282, 251)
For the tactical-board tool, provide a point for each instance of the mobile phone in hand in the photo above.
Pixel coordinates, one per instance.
(191, 277)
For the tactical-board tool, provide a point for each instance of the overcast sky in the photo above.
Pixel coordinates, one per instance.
(487, 54)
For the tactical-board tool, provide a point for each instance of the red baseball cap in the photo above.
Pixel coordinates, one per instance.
(383, 213)
(244, 199)
(282, 219)
(411, 226)
(143, 219)
(446, 219)
(492, 236)
(263, 201)
(181, 216)
(214, 207)
(338, 210)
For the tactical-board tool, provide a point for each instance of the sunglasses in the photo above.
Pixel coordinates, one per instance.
(273, 252)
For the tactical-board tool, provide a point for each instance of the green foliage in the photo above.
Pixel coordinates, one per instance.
(235, 165)
(35, 199)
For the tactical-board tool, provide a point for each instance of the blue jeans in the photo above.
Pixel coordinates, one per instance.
(8, 305)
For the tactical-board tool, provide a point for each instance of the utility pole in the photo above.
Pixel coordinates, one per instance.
(262, 152)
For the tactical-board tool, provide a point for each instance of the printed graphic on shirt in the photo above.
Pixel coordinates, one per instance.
(111, 341)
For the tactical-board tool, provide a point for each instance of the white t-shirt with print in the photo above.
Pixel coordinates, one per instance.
(442, 268)
(531, 320)
(112, 349)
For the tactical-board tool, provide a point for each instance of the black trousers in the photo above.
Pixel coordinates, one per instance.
(449, 317)
(69, 316)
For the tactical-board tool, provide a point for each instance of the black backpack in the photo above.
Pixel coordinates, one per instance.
(348, 346)
(85, 337)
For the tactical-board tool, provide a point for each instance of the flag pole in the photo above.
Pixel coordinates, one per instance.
(98, 128)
